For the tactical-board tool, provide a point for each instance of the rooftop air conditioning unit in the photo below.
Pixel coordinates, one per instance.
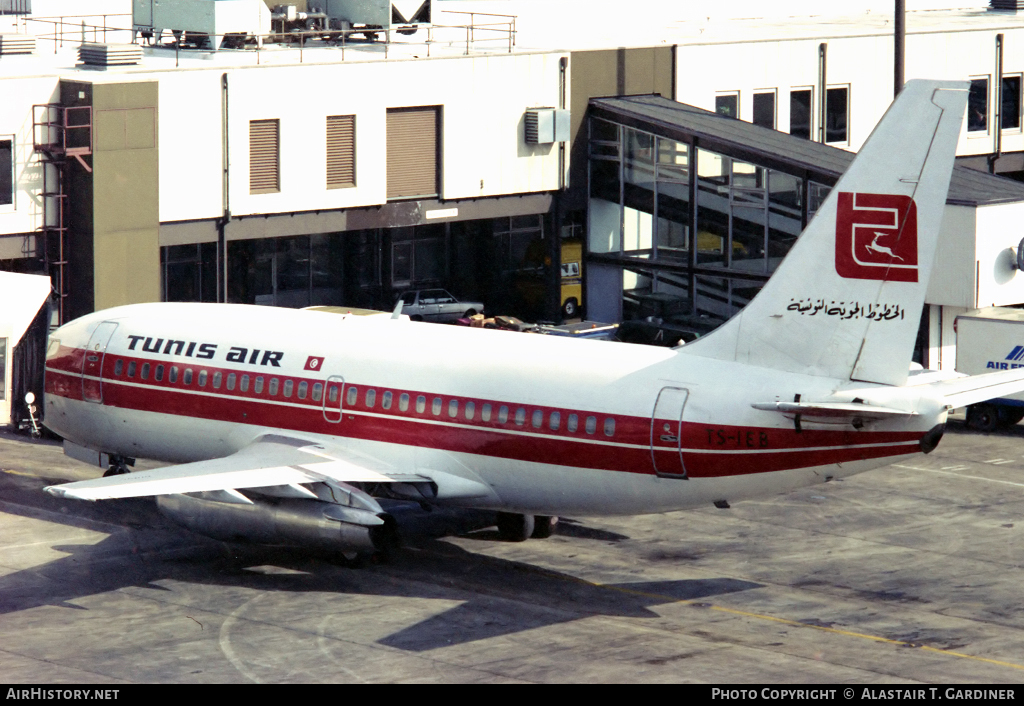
(15, 7)
(16, 44)
(546, 125)
(109, 54)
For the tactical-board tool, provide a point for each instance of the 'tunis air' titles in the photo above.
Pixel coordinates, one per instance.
(206, 351)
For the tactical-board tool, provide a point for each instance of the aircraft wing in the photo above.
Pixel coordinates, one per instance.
(963, 391)
(275, 461)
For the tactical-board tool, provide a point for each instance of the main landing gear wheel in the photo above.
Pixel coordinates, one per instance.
(119, 466)
(543, 526)
(515, 528)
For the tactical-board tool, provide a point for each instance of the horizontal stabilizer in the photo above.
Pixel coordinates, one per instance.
(963, 391)
(833, 412)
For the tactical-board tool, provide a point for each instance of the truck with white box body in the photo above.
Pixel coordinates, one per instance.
(988, 340)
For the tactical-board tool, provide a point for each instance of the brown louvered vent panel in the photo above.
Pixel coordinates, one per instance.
(264, 148)
(341, 151)
(412, 152)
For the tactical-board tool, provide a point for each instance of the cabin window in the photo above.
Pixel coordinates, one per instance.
(591, 425)
(332, 394)
(609, 427)
(403, 402)
(131, 369)
(231, 381)
(421, 404)
(144, 373)
(520, 417)
(470, 410)
(572, 423)
(289, 385)
(352, 396)
(537, 419)
(217, 379)
(202, 378)
(453, 408)
(188, 376)
(173, 377)
(243, 384)
(502, 414)
(257, 386)
(485, 412)
(436, 406)
(272, 386)
(555, 421)
(318, 391)
(303, 389)
(371, 398)
(386, 400)
(159, 373)
(118, 367)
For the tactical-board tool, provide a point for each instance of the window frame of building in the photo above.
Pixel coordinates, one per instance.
(727, 103)
(837, 114)
(793, 93)
(265, 156)
(977, 127)
(341, 151)
(1016, 96)
(758, 114)
(8, 184)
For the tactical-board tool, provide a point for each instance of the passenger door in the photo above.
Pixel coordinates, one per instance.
(667, 432)
(92, 364)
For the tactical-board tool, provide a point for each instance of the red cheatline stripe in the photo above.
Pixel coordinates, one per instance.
(708, 450)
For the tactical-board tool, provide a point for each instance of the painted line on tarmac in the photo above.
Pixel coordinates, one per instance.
(797, 623)
(959, 475)
(698, 603)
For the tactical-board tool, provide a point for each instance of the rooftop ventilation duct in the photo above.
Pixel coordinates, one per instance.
(16, 44)
(109, 54)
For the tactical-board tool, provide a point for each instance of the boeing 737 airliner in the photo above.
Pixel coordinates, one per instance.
(290, 426)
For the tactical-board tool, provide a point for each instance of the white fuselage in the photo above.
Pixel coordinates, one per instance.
(551, 425)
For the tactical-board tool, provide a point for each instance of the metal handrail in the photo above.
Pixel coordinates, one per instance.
(66, 29)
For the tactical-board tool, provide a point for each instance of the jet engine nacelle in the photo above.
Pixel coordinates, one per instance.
(287, 521)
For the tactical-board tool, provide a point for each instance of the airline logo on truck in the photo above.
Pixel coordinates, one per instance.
(876, 237)
(1015, 355)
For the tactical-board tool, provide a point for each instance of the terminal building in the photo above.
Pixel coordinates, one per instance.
(340, 152)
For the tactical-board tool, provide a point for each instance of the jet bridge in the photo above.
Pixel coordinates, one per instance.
(24, 324)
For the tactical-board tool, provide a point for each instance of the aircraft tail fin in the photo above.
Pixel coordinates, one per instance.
(846, 302)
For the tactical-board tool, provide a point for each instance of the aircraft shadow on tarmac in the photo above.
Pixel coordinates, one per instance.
(150, 549)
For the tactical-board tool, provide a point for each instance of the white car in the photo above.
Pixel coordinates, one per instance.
(437, 305)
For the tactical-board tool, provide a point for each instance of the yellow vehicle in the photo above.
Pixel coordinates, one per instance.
(572, 277)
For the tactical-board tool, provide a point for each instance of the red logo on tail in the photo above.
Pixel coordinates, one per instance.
(876, 237)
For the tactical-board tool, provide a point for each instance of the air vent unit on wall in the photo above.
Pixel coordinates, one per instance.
(546, 125)
(16, 44)
(1006, 5)
(109, 54)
